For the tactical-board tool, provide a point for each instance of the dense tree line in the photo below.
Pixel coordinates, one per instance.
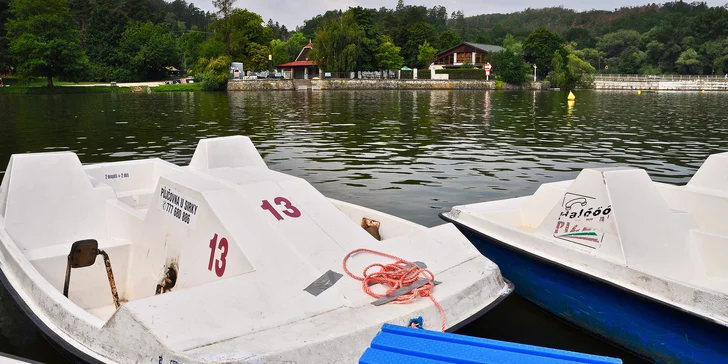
(675, 37)
(124, 40)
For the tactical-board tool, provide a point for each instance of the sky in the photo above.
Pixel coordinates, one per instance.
(292, 13)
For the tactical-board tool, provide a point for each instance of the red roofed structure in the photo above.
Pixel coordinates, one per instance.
(301, 67)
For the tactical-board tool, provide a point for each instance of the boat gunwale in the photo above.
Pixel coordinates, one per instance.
(65, 348)
(581, 273)
(509, 289)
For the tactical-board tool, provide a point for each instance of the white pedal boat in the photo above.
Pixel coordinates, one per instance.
(213, 262)
(641, 264)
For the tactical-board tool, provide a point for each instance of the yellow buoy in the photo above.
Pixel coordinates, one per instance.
(639, 92)
(571, 96)
(702, 91)
(570, 105)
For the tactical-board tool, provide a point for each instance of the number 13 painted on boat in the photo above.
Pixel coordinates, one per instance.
(290, 211)
(219, 263)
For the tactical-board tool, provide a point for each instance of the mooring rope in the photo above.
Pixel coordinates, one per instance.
(401, 273)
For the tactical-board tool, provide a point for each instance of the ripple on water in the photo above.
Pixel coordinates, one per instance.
(403, 152)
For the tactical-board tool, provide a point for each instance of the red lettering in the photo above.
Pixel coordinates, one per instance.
(219, 263)
(290, 211)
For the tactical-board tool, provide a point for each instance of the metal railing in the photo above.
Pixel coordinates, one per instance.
(655, 78)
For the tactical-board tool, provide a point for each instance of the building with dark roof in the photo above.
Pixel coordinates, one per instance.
(301, 67)
(475, 54)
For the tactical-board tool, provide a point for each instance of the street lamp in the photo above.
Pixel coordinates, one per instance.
(534, 73)
(270, 63)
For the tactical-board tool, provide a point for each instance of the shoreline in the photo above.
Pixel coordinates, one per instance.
(705, 84)
(375, 84)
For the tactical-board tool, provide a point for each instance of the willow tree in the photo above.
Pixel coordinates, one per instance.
(337, 44)
(45, 40)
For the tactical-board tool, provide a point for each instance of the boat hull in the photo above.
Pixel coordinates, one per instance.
(649, 328)
(27, 317)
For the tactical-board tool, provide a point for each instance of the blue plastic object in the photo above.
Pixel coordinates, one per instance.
(404, 345)
(416, 322)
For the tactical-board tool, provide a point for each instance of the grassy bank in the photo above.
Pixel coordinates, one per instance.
(23, 90)
(178, 87)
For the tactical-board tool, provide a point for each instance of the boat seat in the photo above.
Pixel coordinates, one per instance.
(89, 286)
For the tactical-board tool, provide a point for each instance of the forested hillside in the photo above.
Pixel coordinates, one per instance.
(125, 40)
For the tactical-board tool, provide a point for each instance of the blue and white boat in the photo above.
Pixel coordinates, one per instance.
(641, 264)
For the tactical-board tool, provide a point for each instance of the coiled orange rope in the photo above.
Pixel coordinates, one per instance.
(401, 273)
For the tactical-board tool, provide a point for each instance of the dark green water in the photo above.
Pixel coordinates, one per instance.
(410, 153)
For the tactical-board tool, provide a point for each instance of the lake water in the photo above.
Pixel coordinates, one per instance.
(409, 153)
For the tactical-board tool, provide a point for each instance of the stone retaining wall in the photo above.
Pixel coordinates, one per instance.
(340, 84)
(676, 85)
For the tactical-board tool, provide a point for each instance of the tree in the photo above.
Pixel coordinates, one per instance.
(148, 49)
(5, 56)
(44, 39)
(224, 9)
(213, 72)
(613, 44)
(417, 34)
(190, 44)
(257, 57)
(212, 48)
(510, 67)
(426, 54)
(447, 39)
(241, 28)
(593, 56)
(631, 60)
(388, 56)
(540, 48)
(337, 44)
(287, 51)
(81, 9)
(689, 63)
(365, 18)
(510, 43)
(103, 34)
(570, 72)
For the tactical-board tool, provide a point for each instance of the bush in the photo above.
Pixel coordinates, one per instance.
(213, 73)
(208, 81)
(511, 67)
(103, 73)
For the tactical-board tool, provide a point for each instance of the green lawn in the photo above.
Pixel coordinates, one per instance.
(40, 82)
(62, 90)
(178, 87)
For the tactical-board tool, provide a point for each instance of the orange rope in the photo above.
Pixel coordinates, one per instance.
(401, 273)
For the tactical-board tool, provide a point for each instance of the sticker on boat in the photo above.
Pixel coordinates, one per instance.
(580, 219)
(178, 206)
(112, 177)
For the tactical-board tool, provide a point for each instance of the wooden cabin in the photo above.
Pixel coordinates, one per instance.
(474, 53)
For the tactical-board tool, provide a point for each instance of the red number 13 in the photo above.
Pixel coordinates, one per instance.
(219, 263)
(290, 211)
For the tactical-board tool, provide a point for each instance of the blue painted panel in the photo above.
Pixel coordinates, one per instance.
(646, 327)
(397, 344)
